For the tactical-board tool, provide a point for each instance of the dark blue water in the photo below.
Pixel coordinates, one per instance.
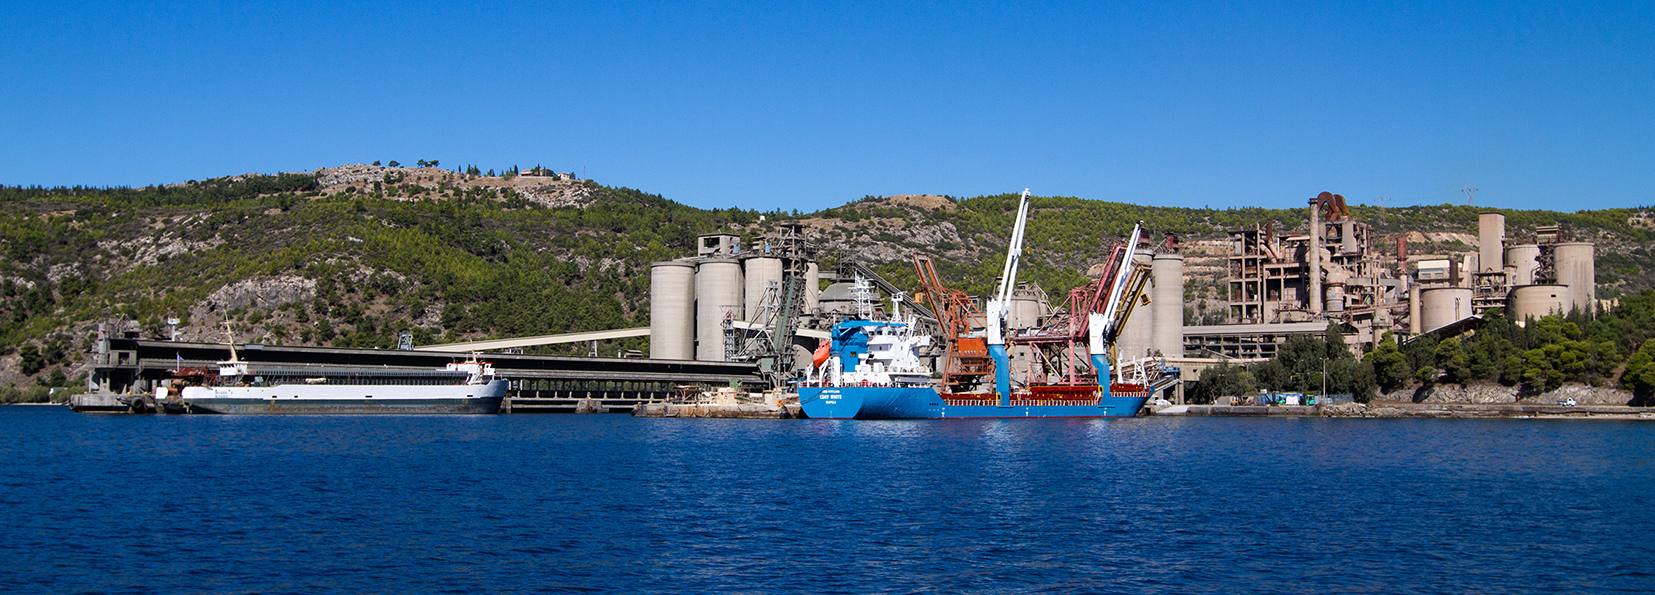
(520, 503)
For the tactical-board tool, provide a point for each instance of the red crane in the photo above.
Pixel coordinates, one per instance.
(966, 359)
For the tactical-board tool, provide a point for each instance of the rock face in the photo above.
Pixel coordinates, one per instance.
(264, 292)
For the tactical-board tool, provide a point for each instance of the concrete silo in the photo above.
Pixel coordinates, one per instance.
(1536, 301)
(718, 292)
(672, 310)
(1576, 269)
(759, 271)
(1491, 234)
(1444, 305)
(1028, 305)
(1168, 304)
(813, 286)
(1521, 262)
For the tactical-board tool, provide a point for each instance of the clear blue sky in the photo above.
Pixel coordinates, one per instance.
(809, 105)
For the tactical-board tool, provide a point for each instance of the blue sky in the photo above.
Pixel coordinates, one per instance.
(810, 105)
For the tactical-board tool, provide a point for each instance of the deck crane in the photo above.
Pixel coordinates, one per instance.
(1104, 327)
(999, 307)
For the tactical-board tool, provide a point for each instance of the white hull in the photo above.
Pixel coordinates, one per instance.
(347, 399)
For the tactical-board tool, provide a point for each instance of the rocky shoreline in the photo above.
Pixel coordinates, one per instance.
(1413, 410)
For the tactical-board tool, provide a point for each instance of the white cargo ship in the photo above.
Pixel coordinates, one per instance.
(239, 387)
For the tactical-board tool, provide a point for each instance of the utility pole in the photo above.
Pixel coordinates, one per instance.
(1470, 193)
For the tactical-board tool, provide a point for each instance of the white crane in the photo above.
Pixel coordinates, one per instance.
(1000, 305)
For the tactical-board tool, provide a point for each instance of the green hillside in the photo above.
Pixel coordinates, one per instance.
(294, 261)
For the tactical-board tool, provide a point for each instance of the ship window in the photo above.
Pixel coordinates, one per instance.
(370, 396)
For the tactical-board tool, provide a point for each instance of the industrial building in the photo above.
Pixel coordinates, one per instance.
(1281, 284)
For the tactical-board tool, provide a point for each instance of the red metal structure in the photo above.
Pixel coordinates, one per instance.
(1058, 351)
(966, 359)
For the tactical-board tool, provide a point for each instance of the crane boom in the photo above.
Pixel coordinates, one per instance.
(1000, 306)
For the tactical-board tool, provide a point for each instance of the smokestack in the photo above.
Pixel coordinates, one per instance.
(1315, 256)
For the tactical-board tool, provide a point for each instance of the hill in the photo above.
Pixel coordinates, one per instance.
(353, 255)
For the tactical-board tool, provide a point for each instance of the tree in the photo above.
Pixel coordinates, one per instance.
(433, 163)
(394, 164)
(1640, 369)
(1222, 380)
(1453, 359)
(29, 359)
(422, 163)
(1390, 365)
(376, 162)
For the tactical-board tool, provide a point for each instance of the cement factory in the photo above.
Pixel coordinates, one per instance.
(764, 303)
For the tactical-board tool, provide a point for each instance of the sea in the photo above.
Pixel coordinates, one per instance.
(95, 503)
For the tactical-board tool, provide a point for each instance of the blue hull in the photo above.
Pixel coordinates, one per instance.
(883, 402)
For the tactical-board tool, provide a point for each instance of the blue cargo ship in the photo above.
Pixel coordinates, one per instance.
(870, 371)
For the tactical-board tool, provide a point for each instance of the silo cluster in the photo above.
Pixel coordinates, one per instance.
(691, 299)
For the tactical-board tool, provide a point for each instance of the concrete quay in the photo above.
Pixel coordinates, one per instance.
(718, 410)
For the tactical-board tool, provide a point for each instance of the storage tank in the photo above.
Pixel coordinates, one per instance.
(1491, 234)
(717, 293)
(1536, 301)
(1521, 261)
(1576, 269)
(1335, 297)
(813, 286)
(1137, 337)
(1168, 305)
(758, 271)
(837, 298)
(672, 310)
(1444, 305)
(1028, 304)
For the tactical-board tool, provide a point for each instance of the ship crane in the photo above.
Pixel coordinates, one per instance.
(1104, 327)
(999, 307)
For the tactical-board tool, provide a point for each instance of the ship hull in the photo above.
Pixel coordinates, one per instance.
(347, 400)
(882, 402)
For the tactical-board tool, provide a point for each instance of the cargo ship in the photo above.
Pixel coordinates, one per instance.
(239, 387)
(871, 372)
(870, 369)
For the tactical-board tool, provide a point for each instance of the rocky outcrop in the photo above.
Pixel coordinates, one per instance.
(1483, 394)
(264, 292)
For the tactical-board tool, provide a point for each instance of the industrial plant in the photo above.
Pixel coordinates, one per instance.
(764, 302)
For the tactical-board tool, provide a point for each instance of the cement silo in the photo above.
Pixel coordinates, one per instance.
(758, 272)
(1028, 305)
(1138, 335)
(672, 310)
(1416, 324)
(1444, 305)
(1536, 301)
(1521, 262)
(1491, 234)
(813, 286)
(1576, 269)
(1168, 304)
(717, 294)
